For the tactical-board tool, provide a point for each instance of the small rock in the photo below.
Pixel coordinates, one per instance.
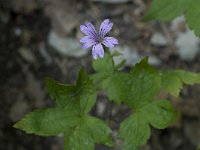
(63, 17)
(153, 60)
(18, 31)
(178, 24)
(132, 57)
(27, 55)
(141, 7)
(129, 54)
(100, 108)
(44, 53)
(158, 39)
(18, 109)
(118, 142)
(66, 46)
(188, 45)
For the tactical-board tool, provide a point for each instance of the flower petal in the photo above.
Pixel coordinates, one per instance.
(105, 27)
(86, 39)
(91, 29)
(97, 50)
(84, 29)
(110, 42)
(88, 44)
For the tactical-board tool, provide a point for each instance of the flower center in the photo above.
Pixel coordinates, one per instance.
(100, 40)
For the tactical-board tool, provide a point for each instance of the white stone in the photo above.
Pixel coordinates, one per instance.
(129, 54)
(153, 60)
(176, 22)
(100, 108)
(158, 39)
(188, 45)
(44, 53)
(66, 46)
(18, 109)
(27, 55)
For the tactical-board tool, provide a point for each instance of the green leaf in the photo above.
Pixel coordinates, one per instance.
(173, 80)
(171, 83)
(62, 94)
(144, 84)
(167, 10)
(116, 86)
(49, 121)
(104, 64)
(72, 101)
(80, 96)
(104, 67)
(115, 53)
(134, 131)
(86, 134)
(192, 15)
(188, 77)
(160, 114)
(85, 91)
(120, 65)
(109, 79)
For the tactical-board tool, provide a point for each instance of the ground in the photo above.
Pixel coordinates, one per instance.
(27, 56)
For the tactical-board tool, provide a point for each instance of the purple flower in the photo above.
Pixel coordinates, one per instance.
(96, 39)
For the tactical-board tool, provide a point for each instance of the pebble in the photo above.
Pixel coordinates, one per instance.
(27, 55)
(63, 16)
(178, 24)
(44, 53)
(18, 31)
(66, 46)
(17, 110)
(153, 60)
(158, 39)
(129, 54)
(100, 108)
(188, 45)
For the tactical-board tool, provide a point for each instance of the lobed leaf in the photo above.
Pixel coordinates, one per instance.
(160, 114)
(116, 86)
(85, 91)
(192, 14)
(81, 96)
(62, 94)
(144, 84)
(171, 83)
(135, 130)
(109, 79)
(49, 121)
(104, 67)
(167, 10)
(173, 80)
(84, 136)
